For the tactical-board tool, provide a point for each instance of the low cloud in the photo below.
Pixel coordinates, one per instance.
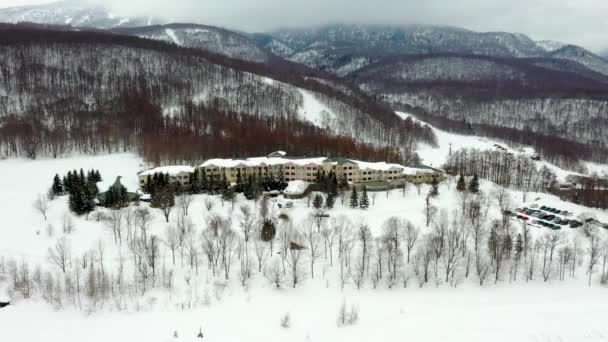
(582, 22)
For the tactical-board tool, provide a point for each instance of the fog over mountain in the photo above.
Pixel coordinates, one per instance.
(575, 22)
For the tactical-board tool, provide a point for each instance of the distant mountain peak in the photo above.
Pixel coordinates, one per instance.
(550, 45)
(74, 13)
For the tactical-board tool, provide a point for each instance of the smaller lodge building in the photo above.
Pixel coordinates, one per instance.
(302, 169)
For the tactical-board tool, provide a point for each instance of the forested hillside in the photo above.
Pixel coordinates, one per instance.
(63, 91)
(562, 113)
(212, 39)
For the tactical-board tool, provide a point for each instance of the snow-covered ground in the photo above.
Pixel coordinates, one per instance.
(519, 311)
(436, 156)
(502, 314)
(315, 111)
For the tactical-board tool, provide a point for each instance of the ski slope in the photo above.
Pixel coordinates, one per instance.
(437, 156)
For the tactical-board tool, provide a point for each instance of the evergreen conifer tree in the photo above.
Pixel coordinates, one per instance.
(268, 231)
(57, 187)
(434, 187)
(194, 187)
(474, 184)
(364, 203)
(98, 176)
(317, 202)
(240, 184)
(354, 198)
(64, 184)
(329, 201)
(461, 184)
(204, 182)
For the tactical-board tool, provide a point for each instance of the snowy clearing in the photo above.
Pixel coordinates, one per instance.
(506, 311)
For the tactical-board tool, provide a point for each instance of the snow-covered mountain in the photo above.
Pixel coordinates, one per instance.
(550, 45)
(549, 97)
(213, 39)
(582, 56)
(342, 49)
(71, 12)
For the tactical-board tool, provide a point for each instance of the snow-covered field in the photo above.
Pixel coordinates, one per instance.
(518, 311)
(502, 314)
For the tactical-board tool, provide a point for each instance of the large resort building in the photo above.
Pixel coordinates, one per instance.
(305, 169)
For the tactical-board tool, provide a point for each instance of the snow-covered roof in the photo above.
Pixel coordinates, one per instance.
(278, 154)
(173, 170)
(296, 187)
(261, 161)
(379, 166)
(412, 171)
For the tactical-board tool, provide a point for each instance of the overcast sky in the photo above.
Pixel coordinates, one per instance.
(582, 22)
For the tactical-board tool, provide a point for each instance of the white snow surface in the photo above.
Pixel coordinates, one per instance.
(296, 187)
(172, 170)
(173, 36)
(314, 111)
(518, 311)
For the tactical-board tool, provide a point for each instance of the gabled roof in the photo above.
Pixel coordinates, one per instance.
(172, 170)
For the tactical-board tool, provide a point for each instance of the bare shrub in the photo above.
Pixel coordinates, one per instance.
(285, 321)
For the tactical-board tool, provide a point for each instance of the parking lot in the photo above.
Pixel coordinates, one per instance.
(552, 218)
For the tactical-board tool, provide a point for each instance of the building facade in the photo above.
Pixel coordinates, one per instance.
(278, 164)
(306, 169)
(177, 173)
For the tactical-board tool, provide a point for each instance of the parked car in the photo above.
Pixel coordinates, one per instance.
(543, 208)
(289, 204)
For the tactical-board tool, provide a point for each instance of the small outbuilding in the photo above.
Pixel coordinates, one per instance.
(296, 189)
(116, 192)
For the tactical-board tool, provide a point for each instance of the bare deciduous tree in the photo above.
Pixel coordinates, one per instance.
(60, 254)
(594, 252)
(261, 251)
(247, 221)
(411, 237)
(274, 272)
(313, 243)
(42, 205)
(172, 240)
(184, 200)
(114, 222)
